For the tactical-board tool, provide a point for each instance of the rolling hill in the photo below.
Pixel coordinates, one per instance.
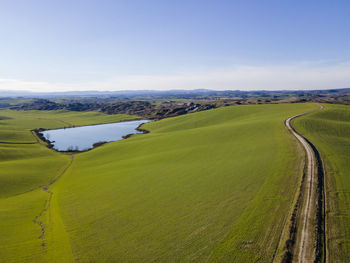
(213, 186)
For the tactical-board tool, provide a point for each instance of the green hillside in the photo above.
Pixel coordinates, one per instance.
(214, 186)
(26, 167)
(329, 131)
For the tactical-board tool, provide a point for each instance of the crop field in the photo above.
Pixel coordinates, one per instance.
(27, 166)
(329, 131)
(213, 186)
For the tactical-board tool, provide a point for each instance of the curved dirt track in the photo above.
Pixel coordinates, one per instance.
(305, 250)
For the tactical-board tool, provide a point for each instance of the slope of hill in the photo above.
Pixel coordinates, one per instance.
(27, 168)
(201, 187)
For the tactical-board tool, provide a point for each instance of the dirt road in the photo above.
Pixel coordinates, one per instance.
(306, 238)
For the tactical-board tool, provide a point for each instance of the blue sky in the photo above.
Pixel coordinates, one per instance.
(121, 45)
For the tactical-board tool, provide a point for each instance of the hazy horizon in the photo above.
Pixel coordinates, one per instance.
(164, 45)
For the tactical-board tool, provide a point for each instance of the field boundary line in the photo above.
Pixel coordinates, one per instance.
(47, 203)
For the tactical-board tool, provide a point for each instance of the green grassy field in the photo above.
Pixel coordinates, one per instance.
(214, 186)
(26, 166)
(329, 131)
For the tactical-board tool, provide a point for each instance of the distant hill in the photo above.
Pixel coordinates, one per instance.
(170, 93)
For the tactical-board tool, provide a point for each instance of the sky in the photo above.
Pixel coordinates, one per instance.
(66, 45)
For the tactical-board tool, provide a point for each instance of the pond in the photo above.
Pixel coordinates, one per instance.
(83, 138)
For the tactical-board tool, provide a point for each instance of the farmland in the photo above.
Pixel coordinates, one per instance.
(329, 131)
(27, 166)
(199, 187)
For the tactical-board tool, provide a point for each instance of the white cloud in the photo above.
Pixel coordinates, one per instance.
(298, 76)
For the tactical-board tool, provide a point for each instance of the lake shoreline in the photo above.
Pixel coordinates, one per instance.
(51, 143)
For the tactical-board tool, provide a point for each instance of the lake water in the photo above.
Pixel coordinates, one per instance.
(83, 138)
